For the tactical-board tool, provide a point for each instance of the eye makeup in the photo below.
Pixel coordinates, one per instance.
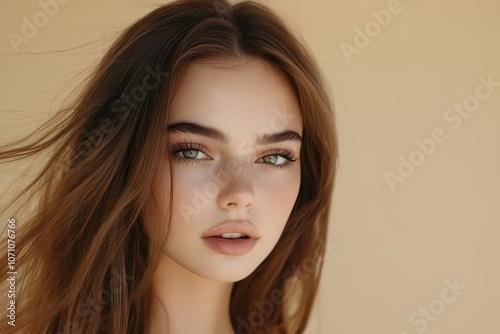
(188, 152)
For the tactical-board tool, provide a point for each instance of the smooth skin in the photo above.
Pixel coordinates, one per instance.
(227, 174)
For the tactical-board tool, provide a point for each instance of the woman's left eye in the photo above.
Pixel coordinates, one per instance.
(280, 159)
(275, 159)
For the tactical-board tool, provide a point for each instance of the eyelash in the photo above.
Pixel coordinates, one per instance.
(286, 153)
(184, 146)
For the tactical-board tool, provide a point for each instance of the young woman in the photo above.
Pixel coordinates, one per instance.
(188, 187)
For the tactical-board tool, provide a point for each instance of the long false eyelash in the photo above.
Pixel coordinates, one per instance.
(176, 148)
(286, 153)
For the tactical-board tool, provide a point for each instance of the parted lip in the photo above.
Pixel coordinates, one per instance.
(233, 226)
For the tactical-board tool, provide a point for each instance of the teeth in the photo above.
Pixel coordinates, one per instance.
(232, 235)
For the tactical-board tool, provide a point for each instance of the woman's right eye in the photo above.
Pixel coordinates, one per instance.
(189, 152)
(192, 154)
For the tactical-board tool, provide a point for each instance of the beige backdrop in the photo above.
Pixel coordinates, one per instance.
(415, 236)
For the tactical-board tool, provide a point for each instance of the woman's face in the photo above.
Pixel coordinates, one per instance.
(235, 132)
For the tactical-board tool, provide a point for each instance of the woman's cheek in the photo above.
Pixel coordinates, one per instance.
(280, 192)
(190, 193)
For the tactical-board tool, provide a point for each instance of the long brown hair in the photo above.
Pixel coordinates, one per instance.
(83, 258)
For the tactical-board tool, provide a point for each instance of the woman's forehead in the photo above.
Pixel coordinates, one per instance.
(238, 96)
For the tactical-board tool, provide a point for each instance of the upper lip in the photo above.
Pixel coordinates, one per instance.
(233, 226)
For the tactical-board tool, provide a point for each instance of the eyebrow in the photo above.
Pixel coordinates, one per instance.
(197, 129)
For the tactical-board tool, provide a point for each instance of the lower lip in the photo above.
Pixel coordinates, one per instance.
(230, 246)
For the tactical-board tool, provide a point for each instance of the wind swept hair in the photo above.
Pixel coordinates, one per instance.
(84, 259)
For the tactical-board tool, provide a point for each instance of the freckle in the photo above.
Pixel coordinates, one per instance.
(234, 173)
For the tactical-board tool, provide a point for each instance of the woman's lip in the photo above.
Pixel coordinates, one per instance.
(242, 226)
(233, 247)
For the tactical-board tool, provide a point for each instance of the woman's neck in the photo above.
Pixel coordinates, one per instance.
(184, 302)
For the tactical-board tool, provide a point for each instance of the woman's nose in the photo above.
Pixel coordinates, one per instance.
(237, 192)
